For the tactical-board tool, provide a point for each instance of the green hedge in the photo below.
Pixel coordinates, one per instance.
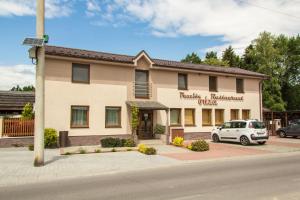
(116, 142)
(50, 138)
(199, 145)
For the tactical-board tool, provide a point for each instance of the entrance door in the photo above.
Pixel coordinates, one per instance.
(145, 128)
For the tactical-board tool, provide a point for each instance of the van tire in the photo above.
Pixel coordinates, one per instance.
(244, 140)
(282, 134)
(215, 138)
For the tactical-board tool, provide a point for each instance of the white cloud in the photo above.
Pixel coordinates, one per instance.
(92, 7)
(54, 8)
(11, 76)
(234, 22)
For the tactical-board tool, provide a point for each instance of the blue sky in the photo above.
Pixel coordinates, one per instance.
(167, 29)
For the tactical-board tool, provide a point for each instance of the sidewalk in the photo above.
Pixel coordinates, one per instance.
(17, 165)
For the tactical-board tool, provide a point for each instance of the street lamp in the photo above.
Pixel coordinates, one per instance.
(38, 51)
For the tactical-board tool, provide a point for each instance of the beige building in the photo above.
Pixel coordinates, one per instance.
(89, 94)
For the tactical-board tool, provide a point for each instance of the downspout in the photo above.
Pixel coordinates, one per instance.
(260, 99)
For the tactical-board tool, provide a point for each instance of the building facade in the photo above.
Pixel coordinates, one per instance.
(90, 94)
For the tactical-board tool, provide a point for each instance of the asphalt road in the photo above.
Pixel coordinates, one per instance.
(274, 178)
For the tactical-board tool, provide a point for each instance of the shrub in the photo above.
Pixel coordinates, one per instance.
(178, 141)
(128, 149)
(111, 142)
(97, 151)
(159, 129)
(50, 139)
(113, 150)
(142, 148)
(82, 151)
(146, 150)
(30, 147)
(129, 143)
(27, 112)
(150, 151)
(67, 153)
(199, 145)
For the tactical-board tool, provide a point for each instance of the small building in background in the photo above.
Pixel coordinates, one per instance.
(12, 102)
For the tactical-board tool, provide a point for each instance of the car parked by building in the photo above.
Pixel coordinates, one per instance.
(291, 130)
(243, 131)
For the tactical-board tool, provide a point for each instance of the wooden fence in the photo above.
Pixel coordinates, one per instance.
(18, 127)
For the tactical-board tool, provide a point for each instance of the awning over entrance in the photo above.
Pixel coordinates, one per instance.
(147, 105)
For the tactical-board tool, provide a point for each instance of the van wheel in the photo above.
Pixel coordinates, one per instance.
(244, 141)
(215, 138)
(262, 143)
(282, 134)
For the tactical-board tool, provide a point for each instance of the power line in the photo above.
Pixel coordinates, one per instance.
(269, 9)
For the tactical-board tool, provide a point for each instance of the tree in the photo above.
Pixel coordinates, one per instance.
(211, 58)
(230, 56)
(263, 57)
(24, 89)
(216, 62)
(192, 58)
(27, 112)
(211, 54)
(290, 75)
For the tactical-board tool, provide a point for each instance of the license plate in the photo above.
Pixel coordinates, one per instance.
(260, 133)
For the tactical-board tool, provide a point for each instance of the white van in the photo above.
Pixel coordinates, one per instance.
(244, 131)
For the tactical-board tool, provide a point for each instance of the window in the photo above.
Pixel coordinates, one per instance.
(182, 82)
(238, 124)
(219, 116)
(239, 85)
(206, 117)
(80, 73)
(245, 114)
(234, 114)
(112, 117)
(226, 125)
(213, 84)
(79, 116)
(175, 117)
(189, 117)
(141, 84)
(257, 125)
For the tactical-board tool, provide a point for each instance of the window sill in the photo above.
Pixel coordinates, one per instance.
(80, 127)
(207, 125)
(192, 125)
(175, 125)
(113, 126)
(81, 82)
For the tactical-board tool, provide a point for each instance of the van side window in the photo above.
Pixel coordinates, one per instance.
(238, 124)
(226, 125)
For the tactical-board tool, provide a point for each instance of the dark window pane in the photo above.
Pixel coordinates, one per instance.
(182, 81)
(141, 84)
(80, 73)
(112, 117)
(79, 116)
(212, 83)
(239, 85)
(175, 116)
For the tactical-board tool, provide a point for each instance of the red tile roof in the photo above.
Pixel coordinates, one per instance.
(95, 55)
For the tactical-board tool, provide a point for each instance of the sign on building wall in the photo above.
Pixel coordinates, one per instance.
(211, 100)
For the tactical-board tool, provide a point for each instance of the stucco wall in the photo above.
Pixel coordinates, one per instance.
(169, 95)
(112, 85)
(107, 88)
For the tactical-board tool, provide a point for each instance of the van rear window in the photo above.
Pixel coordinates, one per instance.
(257, 125)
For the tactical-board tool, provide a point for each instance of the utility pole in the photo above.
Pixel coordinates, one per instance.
(40, 88)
